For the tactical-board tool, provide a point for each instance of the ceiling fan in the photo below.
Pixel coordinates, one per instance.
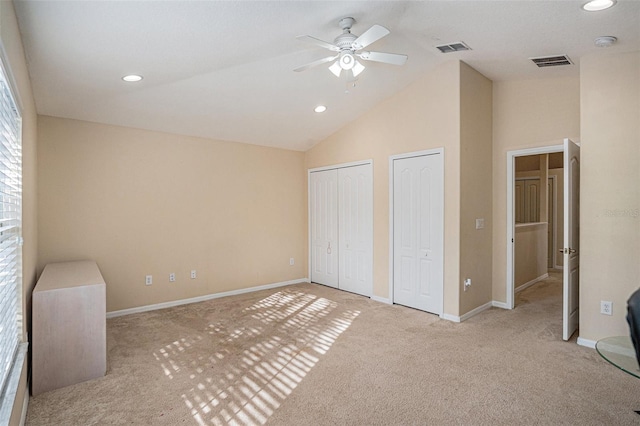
(348, 47)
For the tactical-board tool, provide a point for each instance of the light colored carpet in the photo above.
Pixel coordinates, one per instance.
(310, 355)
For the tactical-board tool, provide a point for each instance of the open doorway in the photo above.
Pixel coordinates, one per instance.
(538, 215)
(534, 240)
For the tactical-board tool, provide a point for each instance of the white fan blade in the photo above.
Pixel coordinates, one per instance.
(316, 63)
(372, 35)
(318, 42)
(387, 58)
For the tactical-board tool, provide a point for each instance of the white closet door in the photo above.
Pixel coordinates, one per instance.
(532, 200)
(355, 219)
(324, 227)
(519, 203)
(418, 229)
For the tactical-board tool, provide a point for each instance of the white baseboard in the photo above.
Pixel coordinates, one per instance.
(532, 282)
(385, 300)
(587, 343)
(476, 311)
(502, 305)
(164, 305)
(468, 315)
(450, 317)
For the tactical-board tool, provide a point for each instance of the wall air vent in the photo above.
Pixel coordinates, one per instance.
(453, 47)
(552, 61)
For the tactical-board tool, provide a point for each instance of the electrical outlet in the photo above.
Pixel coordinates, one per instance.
(172, 277)
(606, 308)
(467, 284)
(292, 261)
(193, 274)
(148, 280)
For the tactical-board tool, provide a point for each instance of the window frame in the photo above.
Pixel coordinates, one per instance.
(9, 385)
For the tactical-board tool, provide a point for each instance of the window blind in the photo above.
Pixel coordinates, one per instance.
(10, 225)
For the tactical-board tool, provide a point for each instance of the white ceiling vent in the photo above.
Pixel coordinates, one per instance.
(552, 61)
(453, 47)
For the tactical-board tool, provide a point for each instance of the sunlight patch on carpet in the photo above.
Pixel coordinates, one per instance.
(253, 368)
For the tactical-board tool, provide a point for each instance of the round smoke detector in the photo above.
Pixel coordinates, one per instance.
(605, 41)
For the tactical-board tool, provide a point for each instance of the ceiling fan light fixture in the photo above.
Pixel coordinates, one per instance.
(598, 5)
(347, 60)
(357, 68)
(336, 69)
(320, 108)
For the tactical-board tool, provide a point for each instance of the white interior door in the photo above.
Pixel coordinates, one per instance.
(519, 201)
(532, 200)
(355, 236)
(324, 227)
(571, 275)
(527, 200)
(418, 229)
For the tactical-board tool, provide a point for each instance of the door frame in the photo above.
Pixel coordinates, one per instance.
(511, 225)
(554, 230)
(392, 158)
(321, 169)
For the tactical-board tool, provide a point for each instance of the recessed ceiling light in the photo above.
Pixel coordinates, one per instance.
(597, 5)
(320, 108)
(132, 78)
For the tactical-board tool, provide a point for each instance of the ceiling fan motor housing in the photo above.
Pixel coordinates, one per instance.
(345, 40)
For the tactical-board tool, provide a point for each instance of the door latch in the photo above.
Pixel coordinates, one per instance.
(567, 250)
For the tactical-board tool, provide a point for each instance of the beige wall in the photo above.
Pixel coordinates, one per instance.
(544, 189)
(530, 254)
(423, 116)
(475, 188)
(140, 202)
(526, 114)
(15, 62)
(528, 163)
(449, 107)
(610, 194)
(556, 160)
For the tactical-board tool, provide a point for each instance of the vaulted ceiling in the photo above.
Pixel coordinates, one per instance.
(224, 69)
